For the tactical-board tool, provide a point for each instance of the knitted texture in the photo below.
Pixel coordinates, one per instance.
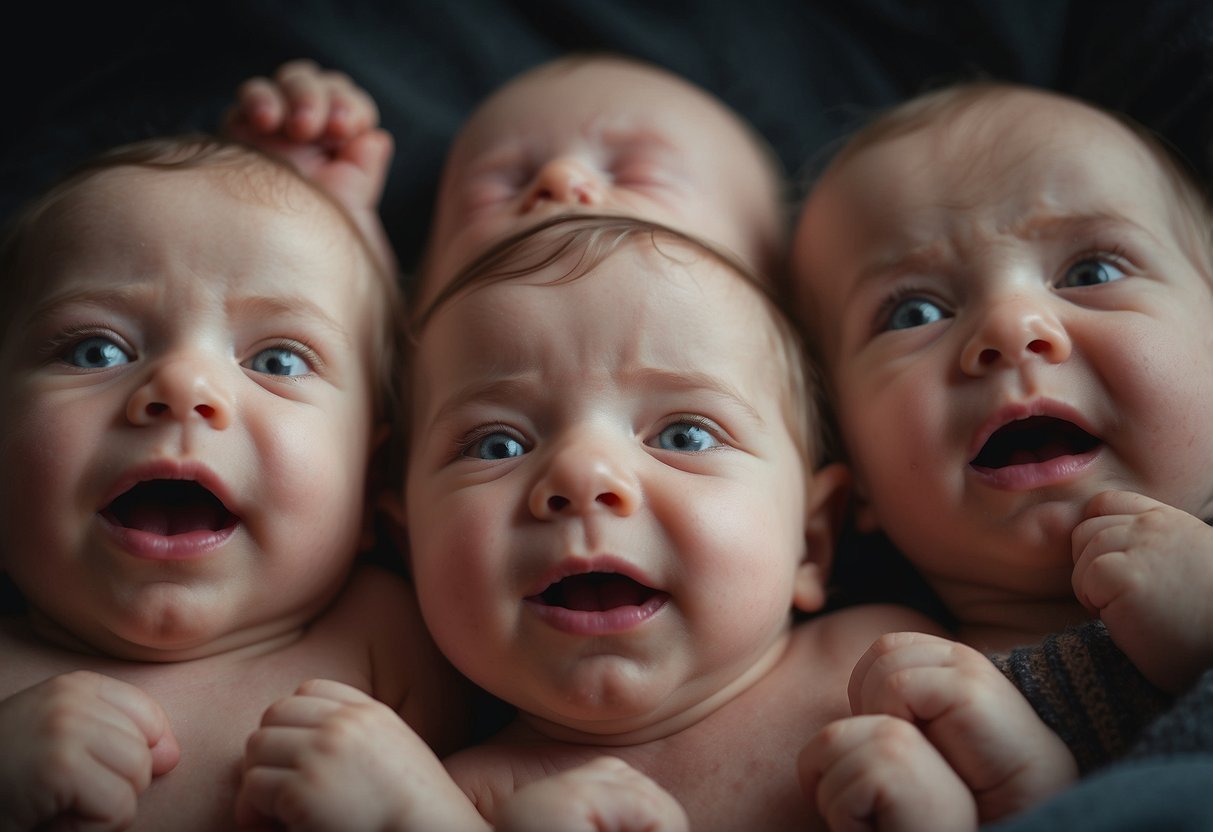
(1086, 690)
(1186, 727)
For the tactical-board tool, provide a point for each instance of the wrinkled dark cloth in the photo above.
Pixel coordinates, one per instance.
(804, 72)
(1087, 691)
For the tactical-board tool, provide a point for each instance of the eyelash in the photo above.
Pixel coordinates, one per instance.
(468, 439)
(54, 349)
(890, 302)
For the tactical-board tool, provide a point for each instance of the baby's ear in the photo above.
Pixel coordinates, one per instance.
(380, 492)
(865, 521)
(824, 508)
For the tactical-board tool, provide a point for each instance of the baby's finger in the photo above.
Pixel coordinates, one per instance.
(888, 645)
(258, 795)
(260, 107)
(871, 691)
(300, 711)
(307, 99)
(141, 708)
(103, 800)
(335, 691)
(352, 111)
(1096, 530)
(1119, 502)
(1099, 579)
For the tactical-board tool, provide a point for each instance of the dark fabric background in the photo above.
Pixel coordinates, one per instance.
(84, 75)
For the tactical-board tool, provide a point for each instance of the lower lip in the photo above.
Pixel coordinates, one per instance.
(186, 546)
(1037, 474)
(599, 622)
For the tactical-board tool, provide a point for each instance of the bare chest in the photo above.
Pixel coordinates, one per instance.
(212, 706)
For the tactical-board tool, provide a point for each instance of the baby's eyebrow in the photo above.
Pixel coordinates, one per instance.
(522, 387)
(692, 381)
(291, 306)
(499, 390)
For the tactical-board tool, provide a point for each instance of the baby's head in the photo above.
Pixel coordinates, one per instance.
(1009, 292)
(599, 134)
(610, 497)
(194, 353)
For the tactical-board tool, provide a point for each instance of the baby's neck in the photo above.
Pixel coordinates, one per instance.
(994, 625)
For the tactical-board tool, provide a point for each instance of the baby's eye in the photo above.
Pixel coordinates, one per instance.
(96, 353)
(496, 445)
(911, 312)
(686, 436)
(279, 361)
(1090, 272)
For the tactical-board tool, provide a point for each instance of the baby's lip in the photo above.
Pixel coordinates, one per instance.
(594, 585)
(1034, 432)
(168, 498)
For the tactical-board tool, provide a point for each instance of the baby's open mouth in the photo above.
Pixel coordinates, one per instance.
(1035, 439)
(169, 507)
(596, 592)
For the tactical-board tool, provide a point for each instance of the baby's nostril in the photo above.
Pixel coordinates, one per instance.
(557, 503)
(156, 408)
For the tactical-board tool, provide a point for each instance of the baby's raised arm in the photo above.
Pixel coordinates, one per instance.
(1146, 569)
(79, 749)
(328, 128)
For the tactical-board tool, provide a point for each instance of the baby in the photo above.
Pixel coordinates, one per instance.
(195, 349)
(613, 497)
(1010, 294)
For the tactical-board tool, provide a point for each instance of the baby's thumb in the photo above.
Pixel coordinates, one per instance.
(166, 753)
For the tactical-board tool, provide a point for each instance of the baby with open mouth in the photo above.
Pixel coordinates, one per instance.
(1009, 292)
(195, 349)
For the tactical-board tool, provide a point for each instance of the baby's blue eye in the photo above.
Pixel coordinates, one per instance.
(97, 353)
(279, 361)
(1090, 273)
(686, 436)
(496, 445)
(913, 312)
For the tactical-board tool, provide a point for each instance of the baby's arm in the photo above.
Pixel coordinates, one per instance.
(968, 710)
(78, 750)
(331, 757)
(328, 128)
(605, 795)
(1147, 570)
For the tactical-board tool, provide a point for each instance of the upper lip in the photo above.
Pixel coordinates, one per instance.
(1045, 409)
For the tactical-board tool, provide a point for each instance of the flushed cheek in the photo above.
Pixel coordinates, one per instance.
(44, 465)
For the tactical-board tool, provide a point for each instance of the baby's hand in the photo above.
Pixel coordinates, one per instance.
(1147, 570)
(970, 712)
(327, 127)
(78, 750)
(330, 757)
(605, 795)
(880, 773)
